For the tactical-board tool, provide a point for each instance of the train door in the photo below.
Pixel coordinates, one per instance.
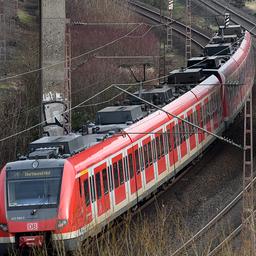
(191, 129)
(134, 168)
(87, 197)
(159, 141)
(92, 194)
(148, 158)
(166, 149)
(183, 137)
(215, 111)
(201, 134)
(173, 143)
(142, 164)
(119, 182)
(207, 115)
(111, 185)
(127, 176)
(102, 189)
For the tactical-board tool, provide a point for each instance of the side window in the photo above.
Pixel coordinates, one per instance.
(190, 127)
(131, 165)
(145, 149)
(162, 144)
(80, 187)
(141, 158)
(98, 186)
(169, 139)
(137, 163)
(150, 157)
(115, 170)
(186, 130)
(195, 117)
(126, 175)
(86, 192)
(181, 132)
(121, 171)
(110, 178)
(92, 189)
(201, 120)
(105, 181)
(153, 143)
(158, 147)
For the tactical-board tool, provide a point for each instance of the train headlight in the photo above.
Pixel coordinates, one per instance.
(62, 223)
(3, 227)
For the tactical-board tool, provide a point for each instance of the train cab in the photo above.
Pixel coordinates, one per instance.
(32, 190)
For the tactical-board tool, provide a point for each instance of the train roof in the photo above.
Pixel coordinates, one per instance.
(99, 141)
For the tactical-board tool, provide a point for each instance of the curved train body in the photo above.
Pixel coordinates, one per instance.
(75, 196)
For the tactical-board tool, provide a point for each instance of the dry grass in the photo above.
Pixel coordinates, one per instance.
(157, 235)
(251, 5)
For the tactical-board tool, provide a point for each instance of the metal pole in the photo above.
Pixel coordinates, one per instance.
(169, 27)
(248, 225)
(188, 31)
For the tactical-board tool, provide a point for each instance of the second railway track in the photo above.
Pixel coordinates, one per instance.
(236, 17)
(198, 38)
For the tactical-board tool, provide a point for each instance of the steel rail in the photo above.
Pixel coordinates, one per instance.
(213, 222)
(236, 17)
(198, 38)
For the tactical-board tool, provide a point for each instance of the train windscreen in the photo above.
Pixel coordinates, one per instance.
(33, 188)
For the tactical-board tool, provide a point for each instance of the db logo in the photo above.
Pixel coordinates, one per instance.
(32, 226)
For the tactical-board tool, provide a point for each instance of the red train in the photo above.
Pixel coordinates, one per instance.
(68, 188)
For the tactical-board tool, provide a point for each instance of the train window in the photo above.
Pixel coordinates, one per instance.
(154, 150)
(80, 187)
(92, 189)
(174, 136)
(145, 149)
(86, 192)
(125, 161)
(161, 140)
(181, 132)
(98, 185)
(194, 117)
(190, 127)
(158, 147)
(141, 159)
(185, 129)
(165, 137)
(137, 163)
(121, 171)
(169, 139)
(201, 120)
(150, 157)
(105, 181)
(115, 170)
(131, 165)
(110, 178)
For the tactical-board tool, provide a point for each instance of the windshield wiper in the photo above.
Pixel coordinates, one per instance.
(34, 211)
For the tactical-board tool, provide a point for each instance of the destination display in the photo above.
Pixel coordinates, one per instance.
(41, 173)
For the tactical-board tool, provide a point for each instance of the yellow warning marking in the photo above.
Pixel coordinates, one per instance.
(82, 173)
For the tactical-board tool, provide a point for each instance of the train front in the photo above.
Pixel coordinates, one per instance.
(30, 198)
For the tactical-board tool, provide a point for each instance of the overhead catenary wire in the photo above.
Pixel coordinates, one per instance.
(182, 119)
(73, 58)
(66, 111)
(145, 82)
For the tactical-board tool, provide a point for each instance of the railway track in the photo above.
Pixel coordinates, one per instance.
(249, 25)
(236, 17)
(213, 223)
(198, 38)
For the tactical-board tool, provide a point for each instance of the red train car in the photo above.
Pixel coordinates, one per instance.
(70, 187)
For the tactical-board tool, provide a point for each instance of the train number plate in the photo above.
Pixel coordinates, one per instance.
(32, 226)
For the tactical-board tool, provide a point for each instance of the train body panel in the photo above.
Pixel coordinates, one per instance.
(95, 185)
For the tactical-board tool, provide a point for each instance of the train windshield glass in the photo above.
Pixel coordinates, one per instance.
(31, 189)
